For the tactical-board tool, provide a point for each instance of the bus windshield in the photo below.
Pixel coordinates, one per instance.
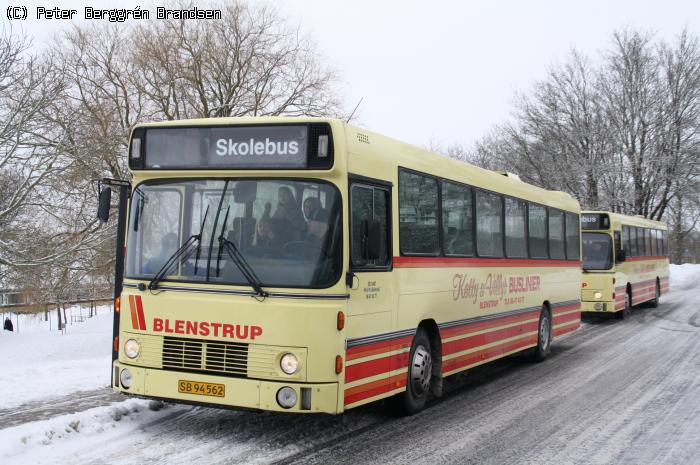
(288, 231)
(597, 251)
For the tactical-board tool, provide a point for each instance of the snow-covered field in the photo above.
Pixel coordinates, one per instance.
(38, 363)
(42, 369)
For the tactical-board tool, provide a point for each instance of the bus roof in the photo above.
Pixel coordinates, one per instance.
(389, 152)
(630, 220)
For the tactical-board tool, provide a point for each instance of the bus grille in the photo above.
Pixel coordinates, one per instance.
(229, 358)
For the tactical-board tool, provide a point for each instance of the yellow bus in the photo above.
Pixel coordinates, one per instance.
(625, 262)
(306, 265)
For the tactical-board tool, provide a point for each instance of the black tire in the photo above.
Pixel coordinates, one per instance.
(627, 311)
(544, 337)
(420, 368)
(655, 301)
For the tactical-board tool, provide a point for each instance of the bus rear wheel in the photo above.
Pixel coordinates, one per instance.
(544, 336)
(657, 295)
(420, 372)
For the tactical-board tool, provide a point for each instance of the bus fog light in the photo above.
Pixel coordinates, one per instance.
(287, 397)
(598, 295)
(132, 348)
(125, 378)
(289, 363)
(598, 306)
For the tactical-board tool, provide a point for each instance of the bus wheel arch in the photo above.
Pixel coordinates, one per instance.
(421, 370)
(544, 334)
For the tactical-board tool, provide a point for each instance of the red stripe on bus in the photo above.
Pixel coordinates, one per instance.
(448, 262)
(566, 308)
(134, 318)
(558, 319)
(476, 357)
(375, 367)
(378, 347)
(139, 311)
(486, 338)
(473, 327)
(567, 329)
(375, 388)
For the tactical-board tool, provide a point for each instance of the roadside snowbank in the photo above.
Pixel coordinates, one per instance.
(38, 364)
(685, 276)
(43, 442)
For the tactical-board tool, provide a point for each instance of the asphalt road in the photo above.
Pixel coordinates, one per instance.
(615, 392)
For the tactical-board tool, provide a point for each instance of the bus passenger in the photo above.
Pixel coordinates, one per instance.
(288, 209)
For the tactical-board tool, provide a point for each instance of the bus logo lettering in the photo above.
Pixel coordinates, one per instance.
(206, 328)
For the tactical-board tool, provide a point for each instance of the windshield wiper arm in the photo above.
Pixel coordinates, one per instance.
(223, 231)
(179, 253)
(199, 242)
(242, 265)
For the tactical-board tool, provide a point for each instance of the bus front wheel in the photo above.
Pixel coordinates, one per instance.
(420, 369)
(544, 336)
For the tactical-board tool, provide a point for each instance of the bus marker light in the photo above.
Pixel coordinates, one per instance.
(338, 364)
(341, 320)
(286, 397)
(118, 304)
(116, 343)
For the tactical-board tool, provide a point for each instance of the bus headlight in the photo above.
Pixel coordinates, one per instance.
(287, 397)
(598, 295)
(132, 348)
(289, 363)
(125, 378)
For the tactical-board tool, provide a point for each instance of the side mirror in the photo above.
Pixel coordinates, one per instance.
(371, 238)
(104, 204)
(620, 256)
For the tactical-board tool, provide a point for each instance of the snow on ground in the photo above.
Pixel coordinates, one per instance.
(38, 363)
(41, 442)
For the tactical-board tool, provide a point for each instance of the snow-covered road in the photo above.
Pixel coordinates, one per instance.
(615, 392)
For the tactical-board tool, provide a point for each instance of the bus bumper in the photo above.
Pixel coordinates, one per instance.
(238, 392)
(597, 307)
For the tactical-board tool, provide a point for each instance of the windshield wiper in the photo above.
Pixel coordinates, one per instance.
(242, 265)
(223, 234)
(199, 242)
(184, 250)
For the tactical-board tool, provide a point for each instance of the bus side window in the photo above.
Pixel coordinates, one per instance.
(457, 221)
(640, 242)
(537, 230)
(626, 240)
(573, 240)
(418, 212)
(369, 204)
(654, 251)
(516, 217)
(618, 243)
(489, 224)
(556, 234)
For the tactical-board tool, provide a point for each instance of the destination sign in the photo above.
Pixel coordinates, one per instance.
(590, 221)
(227, 147)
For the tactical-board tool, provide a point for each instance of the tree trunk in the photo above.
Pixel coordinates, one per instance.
(58, 314)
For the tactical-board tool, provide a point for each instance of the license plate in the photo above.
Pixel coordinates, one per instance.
(204, 389)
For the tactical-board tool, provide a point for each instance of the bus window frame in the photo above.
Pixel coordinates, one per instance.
(438, 214)
(356, 180)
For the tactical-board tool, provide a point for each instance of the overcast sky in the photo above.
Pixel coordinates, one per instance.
(446, 71)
